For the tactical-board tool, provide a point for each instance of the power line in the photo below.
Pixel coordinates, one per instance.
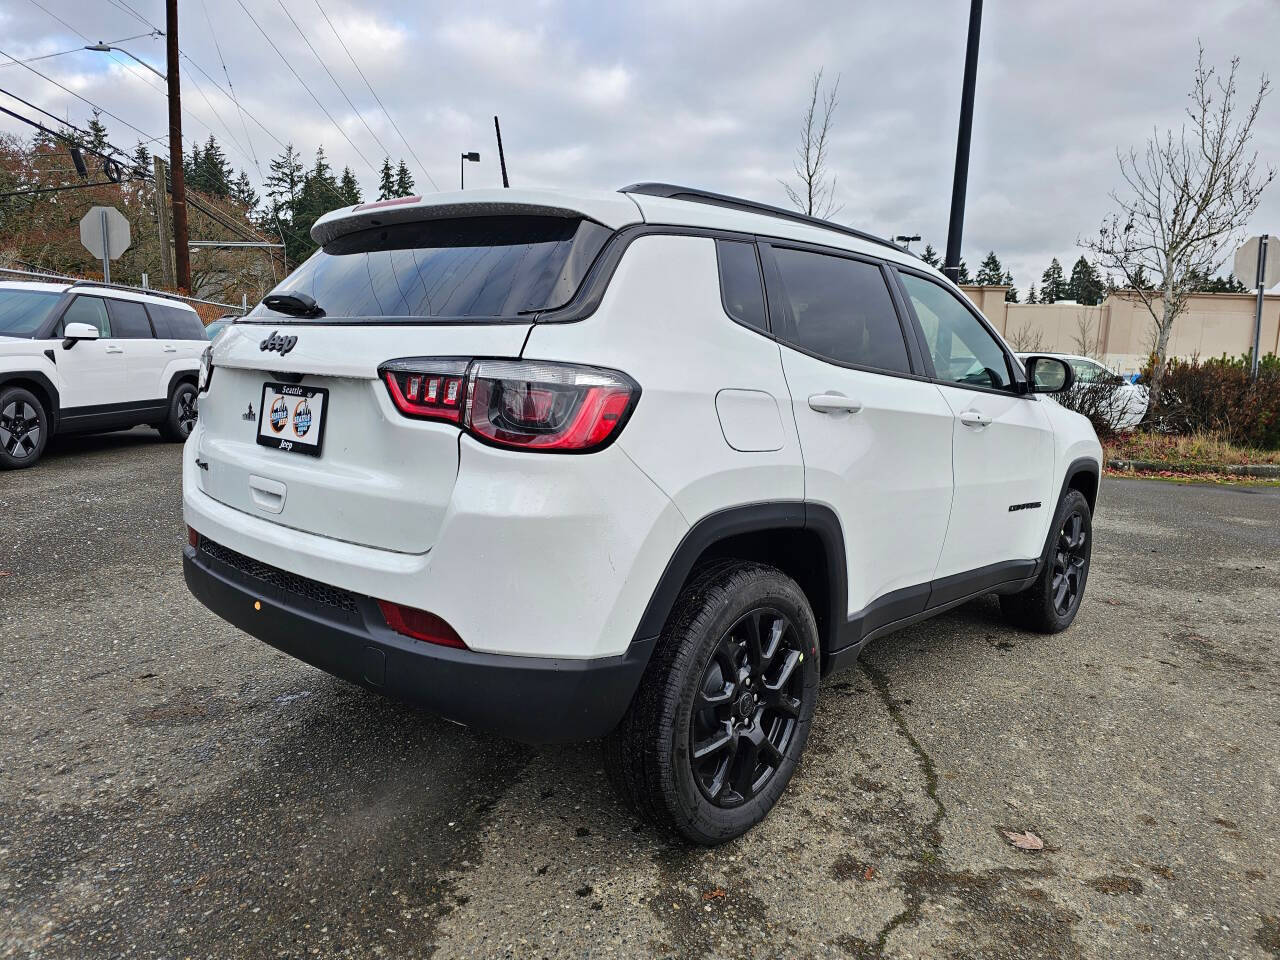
(412, 152)
(63, 53)
(332, 77)
(150, 139)
(285, 61)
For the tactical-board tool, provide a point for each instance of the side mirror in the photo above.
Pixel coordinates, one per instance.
(1049, 374)
(76, 332)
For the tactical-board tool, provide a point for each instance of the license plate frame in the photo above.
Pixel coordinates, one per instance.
(280, 430)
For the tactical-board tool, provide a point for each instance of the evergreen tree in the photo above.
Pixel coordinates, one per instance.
(348, 186)
(1053, 283)
(191, 166)
(283, 186)
(386, 183)
(991, 272)
(213, 173)
(142, 158)
(930, 256)
(1200, 282)
(1011, 295)
(97, 139)
(964, 273)
(404, 181)
(318, 195)
(1139, 280)
(1031, 294)
(1085, 285)
(243, 193)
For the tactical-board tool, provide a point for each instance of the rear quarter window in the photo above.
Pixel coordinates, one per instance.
(741, 287)
(475, 268)
(175, 323)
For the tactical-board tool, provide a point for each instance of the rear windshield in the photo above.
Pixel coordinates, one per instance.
(23, 311)
(470, 269)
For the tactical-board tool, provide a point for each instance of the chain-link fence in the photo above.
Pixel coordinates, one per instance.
(209, 310)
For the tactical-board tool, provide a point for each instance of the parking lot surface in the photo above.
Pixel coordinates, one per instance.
(170, 787)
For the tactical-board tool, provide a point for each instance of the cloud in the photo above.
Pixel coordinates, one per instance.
(707, 93)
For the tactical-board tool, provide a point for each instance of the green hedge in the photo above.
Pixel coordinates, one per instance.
(1217, 395)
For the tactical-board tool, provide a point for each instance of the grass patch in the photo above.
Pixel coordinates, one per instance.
(1203, 449)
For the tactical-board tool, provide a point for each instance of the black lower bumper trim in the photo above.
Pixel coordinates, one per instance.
(533, 699)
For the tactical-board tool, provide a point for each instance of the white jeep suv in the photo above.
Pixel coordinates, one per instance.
(86, 357)
(641, 465)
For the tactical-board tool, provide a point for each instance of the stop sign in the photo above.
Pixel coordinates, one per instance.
(105, 238)
(1246, 263)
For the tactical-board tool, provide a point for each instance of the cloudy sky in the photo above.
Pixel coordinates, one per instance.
(703, 92)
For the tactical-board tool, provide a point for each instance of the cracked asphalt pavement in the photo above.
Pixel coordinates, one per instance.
(170, 787)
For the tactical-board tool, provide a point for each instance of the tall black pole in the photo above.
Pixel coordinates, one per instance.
(181, 250)
(502, 157)
(951, 265)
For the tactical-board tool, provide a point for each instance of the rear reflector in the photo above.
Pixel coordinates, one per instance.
(525, 405)
(419, 624)
(193, 538)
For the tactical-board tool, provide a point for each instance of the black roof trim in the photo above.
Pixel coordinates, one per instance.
(675, 192)
(145, 291)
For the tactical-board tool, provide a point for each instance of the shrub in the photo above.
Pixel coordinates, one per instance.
(1217, 395)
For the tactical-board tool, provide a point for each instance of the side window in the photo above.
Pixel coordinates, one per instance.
(962, 349)
(740, 285)
(174, 323)
(129, 320)
(841, 309)
(90, 310)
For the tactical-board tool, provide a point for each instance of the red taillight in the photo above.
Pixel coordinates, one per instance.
(432, 390)
(525, 405)
(420, 625)
(193, 538)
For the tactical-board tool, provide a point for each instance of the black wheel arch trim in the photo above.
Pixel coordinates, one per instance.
(789, 515)
(54, 401)
(192, 376)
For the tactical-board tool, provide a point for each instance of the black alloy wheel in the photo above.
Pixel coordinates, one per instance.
(1069, 559)
(187, 411)
(746, 712)
(20, 429)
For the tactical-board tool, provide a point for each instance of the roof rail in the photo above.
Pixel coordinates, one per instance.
(124, 286)
(675, 192)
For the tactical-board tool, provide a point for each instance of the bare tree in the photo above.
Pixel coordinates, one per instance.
(814, 193)
(1190, 193)
(1027, 339)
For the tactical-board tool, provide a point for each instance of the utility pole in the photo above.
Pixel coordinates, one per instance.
(181, 250)
(162, 222)
(951, 264)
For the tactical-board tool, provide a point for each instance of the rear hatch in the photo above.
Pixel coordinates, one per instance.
(351, 467)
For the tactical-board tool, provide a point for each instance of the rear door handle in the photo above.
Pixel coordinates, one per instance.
(170, 348)
(972, 418)
(114, 350)
(834, 403)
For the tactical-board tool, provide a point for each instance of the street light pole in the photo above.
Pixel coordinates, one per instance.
(951, 265)
(181, 248)
(101, 47)
(462, 168)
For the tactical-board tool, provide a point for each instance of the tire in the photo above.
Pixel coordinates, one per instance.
(181, 420)
(737, 665)
(1050, 604)
(24, 428)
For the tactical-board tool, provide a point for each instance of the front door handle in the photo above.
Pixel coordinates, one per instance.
(170, 348)
(114, 350)
(834, 403)
(972, 418)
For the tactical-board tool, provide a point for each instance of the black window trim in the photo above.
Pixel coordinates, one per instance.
(764, 295)
(773, 286)
(145, 312)
(1019, 383)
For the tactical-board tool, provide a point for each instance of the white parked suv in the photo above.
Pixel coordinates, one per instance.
(639, 465)
(85, 357)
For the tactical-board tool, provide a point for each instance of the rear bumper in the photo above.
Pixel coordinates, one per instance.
(532, 699)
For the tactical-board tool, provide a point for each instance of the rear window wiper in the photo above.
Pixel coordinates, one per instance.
(294, 304)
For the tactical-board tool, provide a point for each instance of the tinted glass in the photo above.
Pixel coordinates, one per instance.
(90, 310)
(175, 323)
(963, 350)
(128, 320)
(841, 309)
(740, 286)
(482, 267)
(23, 311)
